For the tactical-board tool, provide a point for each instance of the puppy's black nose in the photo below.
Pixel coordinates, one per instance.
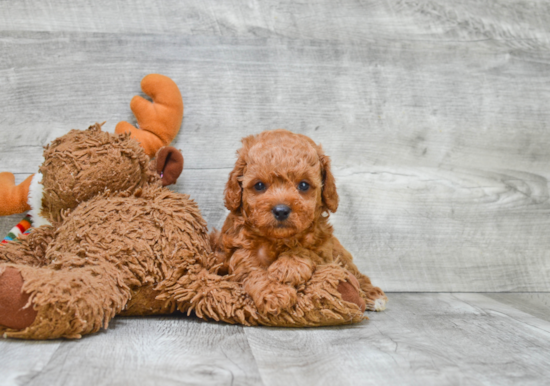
(281, 212)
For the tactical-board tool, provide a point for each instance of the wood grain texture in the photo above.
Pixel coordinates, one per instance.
(435, 114)
(21, 361)
(173, 350)
(536, 304)
(422, 339)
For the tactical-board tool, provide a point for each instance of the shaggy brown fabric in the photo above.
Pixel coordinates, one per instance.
(30, 249)
(15, 309)
(350, 294)
(118, 237)
(107, 250)
(82, 164)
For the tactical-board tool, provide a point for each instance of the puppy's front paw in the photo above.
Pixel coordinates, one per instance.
(291, 270)
(275, 298)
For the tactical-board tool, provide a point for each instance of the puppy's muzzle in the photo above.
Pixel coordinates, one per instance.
(281, 212)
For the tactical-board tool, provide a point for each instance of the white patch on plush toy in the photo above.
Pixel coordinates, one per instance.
(380, 304)
(35, 201)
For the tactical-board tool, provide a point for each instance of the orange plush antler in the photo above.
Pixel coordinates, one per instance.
(159, 121)
(13, 198)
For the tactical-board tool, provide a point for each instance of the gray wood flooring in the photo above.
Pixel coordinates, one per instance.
(436, 115)
(422, 339)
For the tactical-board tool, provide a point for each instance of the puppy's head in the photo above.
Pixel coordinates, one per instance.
(281, 183)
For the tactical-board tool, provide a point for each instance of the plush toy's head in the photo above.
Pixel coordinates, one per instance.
(84, 163)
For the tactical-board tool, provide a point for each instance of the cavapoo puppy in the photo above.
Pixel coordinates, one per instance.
(280, 194)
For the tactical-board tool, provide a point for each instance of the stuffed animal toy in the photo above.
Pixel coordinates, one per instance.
(108, 236)
(110, 239)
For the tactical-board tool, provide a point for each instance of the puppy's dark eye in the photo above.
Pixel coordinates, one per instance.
(259, 186)
(303, 186)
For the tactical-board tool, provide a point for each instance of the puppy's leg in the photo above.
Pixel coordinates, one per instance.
(292, 268)
(221, 259)
(269, 296)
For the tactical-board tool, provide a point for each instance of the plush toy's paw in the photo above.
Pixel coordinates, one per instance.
(376, 298)
(380, 304)
(13, 301)
(274, 299)
(350, 293)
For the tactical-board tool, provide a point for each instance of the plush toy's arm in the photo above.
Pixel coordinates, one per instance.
(159, 121)
(13, 198)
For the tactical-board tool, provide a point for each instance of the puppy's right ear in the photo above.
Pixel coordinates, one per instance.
(233, 189)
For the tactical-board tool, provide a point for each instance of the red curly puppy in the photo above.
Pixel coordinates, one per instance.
(280, 194)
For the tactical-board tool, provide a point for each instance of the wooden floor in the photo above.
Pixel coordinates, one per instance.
(422, 339)
(436, 116)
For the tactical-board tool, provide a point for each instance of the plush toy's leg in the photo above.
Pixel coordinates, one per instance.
(68, 302)
(15, 310)
(374, 297)
(29, 249)
(322, 301)
(350, 291)
(159, 121)
(13, 198)
(212, 296)
(144, 302)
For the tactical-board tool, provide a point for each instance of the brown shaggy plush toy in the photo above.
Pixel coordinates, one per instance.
(110, 239)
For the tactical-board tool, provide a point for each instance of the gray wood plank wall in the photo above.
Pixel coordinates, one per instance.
(435, 114)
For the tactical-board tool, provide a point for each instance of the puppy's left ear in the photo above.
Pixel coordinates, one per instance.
(169, 162)
(329, 194)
